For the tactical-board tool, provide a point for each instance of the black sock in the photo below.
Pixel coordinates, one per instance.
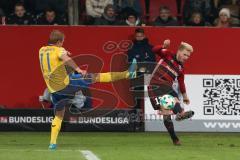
(170, 127)
(177, 108)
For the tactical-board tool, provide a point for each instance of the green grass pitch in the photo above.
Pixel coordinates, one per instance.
(120, 146)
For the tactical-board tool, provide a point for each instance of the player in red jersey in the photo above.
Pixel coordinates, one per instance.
(169, 68)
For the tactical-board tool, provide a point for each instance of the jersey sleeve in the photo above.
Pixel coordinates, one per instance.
(162, 52)
(40, 50)
(61, 52)
(181, 83)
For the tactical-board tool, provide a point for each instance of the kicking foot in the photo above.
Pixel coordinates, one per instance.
(52, 147)
(185, 115)
(133, 69)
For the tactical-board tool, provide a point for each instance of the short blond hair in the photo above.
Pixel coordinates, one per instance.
(56, 36)
(186, 46)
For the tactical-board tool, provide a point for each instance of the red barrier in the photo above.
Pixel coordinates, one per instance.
(216, 52)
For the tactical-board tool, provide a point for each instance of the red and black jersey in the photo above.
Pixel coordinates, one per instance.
(168, 69)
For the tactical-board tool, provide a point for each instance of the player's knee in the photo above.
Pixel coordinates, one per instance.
(60, 112)
(167, 117)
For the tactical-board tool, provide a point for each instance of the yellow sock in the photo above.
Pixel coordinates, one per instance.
(112, 76)
(56, 126)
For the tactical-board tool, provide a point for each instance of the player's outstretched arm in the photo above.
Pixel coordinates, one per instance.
(186, 100)
(166, 43)
(162, 50)
(68, 60)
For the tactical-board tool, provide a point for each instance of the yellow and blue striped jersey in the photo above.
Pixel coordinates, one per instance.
(53, 70)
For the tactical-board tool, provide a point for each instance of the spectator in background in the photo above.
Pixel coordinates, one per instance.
(123, 7)
(205, 7)
(20, 16)
(232, 5)
(197, 20)
(165, 18)
(142, 52)
(132, 19)
(2, 17)
(224, 19)
(95, 9)
(141, 49)
(49, 18)
(35, 6)
(108, 17)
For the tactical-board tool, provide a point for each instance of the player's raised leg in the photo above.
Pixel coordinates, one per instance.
(115, 76)
(180, 115)
(184, 115)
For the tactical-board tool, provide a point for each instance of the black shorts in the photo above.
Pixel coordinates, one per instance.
(158, 90)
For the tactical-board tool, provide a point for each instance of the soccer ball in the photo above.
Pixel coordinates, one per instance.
(167, 101)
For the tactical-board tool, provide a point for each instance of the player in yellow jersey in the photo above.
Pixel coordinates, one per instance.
(53, 61)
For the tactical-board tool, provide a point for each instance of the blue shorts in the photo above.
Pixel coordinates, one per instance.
(62, 98)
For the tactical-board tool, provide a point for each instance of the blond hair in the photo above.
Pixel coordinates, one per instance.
(186, 46)
(56, 36)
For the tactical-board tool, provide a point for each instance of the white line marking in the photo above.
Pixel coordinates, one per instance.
(38, 150)
(89, 155)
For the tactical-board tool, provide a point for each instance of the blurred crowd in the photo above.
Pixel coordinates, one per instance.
(33, 12)
(219, 13)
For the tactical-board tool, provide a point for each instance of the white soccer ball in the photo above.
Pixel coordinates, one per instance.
(167, 101)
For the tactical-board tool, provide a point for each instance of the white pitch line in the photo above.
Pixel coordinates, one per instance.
(89, 155)
(38, 150)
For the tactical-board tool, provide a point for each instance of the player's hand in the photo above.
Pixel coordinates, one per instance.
(80, 71)
(186, 99)
(142, 69)
(166, 43)
(69, 53)
(83, 72)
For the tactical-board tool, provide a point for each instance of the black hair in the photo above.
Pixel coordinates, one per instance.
(132, 12)
(19, 4)
(139, 30)
(164, 8)
(49, 10)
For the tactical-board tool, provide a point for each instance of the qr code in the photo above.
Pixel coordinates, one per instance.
(221, 96)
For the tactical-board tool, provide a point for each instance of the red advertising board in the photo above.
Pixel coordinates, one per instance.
(215, 52)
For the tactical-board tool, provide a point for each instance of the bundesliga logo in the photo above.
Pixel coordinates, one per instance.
(99, 120)
(3, 119)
